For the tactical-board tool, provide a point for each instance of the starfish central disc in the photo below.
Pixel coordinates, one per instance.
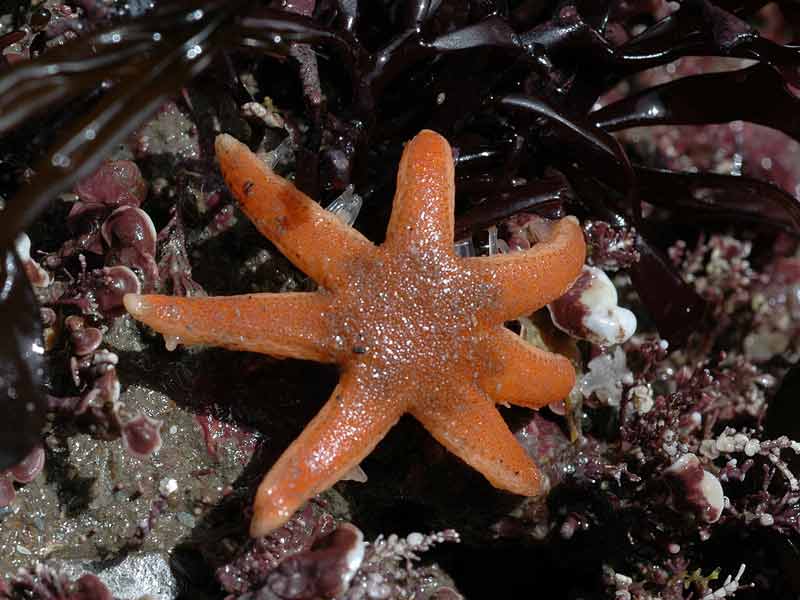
(405, 319)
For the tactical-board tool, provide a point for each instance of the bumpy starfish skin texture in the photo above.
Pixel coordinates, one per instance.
(414, 328)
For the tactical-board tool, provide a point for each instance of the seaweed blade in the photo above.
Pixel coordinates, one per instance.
(22, 404)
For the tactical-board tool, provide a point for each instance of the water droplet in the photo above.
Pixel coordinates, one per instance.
(60, 160)
(171, 342)
(194, 52)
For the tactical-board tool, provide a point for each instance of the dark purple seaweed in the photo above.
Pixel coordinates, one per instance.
(757, 94)
(22, 405)
(783, 414)
(142, 86)
(717, 198)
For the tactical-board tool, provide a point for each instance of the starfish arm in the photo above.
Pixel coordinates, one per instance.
(469, 426)
(528, 280)
(422, 213)
(521, 374)
(314, 239)
(340, 436)
(289, 325)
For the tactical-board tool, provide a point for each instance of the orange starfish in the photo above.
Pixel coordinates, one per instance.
(415, 328)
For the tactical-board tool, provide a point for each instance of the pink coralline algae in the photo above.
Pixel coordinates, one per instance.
(764, 304)
(43, 583)
(116, 183)
(720, 270)
(110, 286)
(106, 221)
(99, 292)
(24, 472)
(341, 565)
(560, 459)
(311, 557)
(216, 431)
(249, 571)
(38, 276)
(174, 267)
(775, 301)
(610, 248)
(131, 238)
(751, 500)
(85, 340)
(323, 571)
(97, 407)
(388, 570)
(142, 435)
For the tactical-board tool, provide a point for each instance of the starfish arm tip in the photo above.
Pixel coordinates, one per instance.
(422, 211)
(315, 240)
(340, 436)
(267, 515)
(225, 143)
(524, 375)
(430, 133)
(530, 279)
(135, 304)
(474, 430)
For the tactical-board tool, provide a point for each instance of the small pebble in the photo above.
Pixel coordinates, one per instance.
(186, 519)
(167, 486)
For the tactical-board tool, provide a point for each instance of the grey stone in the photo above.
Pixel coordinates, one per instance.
(139, 575)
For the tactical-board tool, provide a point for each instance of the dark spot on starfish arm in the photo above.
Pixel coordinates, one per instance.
(248, 187)
(359, 349)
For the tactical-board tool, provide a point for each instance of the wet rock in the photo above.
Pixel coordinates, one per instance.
(138, 575)
(96, 494)
(124, 335)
